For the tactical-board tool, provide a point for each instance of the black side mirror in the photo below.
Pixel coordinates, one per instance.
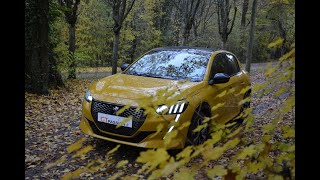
(124, 66)
(219, 78)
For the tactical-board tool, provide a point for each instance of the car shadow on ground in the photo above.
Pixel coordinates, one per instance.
(125, 152)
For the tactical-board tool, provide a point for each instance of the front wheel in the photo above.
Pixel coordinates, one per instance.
(197, 138)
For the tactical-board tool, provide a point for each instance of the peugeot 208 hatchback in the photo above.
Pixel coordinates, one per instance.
(176, 87)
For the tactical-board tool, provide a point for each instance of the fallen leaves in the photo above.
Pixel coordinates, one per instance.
(52, 127)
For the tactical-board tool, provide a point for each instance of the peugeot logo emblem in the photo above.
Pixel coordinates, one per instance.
(116, 108)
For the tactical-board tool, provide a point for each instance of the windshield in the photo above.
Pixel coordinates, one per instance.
(177, 64)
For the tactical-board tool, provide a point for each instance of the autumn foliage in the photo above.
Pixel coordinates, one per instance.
(262, 147)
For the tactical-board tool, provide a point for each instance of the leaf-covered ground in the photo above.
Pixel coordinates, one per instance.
(52, 124)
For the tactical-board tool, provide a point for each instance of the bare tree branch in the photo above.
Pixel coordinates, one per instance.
(129, 9)
(232, 24)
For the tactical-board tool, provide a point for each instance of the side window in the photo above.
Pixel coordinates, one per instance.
(233, 66)
(219, 65)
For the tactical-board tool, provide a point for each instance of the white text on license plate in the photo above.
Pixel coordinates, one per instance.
(111, 119)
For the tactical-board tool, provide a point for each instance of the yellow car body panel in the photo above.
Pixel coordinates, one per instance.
(124, 89)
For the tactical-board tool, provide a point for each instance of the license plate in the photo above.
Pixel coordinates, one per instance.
(115, 120)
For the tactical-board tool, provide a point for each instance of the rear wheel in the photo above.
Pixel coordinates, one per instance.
(196, 138)
(244, 106)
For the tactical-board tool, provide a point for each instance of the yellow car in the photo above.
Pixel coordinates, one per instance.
(176, 87)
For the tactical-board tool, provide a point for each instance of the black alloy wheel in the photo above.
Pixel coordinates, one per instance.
(197, 138)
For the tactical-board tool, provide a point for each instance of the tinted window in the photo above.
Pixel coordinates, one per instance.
(224, 63)
(219, 65)
(179, 64)
(233, 64)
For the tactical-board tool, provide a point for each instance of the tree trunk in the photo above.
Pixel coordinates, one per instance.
(223, 11)
(251, 35)
(245, 7)
(55, 78)
(133, 50)
(115, 52)
(185, 36)
(72, 44)
(223, 44)
(37, 57)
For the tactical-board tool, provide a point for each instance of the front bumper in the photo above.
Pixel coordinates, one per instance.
(145, 137)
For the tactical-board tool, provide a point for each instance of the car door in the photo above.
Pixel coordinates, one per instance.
(236, 85)
(219, 97)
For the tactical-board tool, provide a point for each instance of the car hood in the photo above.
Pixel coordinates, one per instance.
(123, 86)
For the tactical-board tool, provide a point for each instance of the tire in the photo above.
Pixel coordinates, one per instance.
(200, 137)
(244, 106)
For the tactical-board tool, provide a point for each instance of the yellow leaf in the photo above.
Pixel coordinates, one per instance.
(275, 177)
(281, 91)
(213, 153)
(289, 104)
(170, 136)
(75, 146)
(218, 170)
(248, 151)
(81, 153)
(270, 71)
(259, 86)
(247, 99)
(153, 157)
(288, 132)
(123, 109)
(125, 120)
(184, 174)
(254, 167)
(287, 55)
(59, 161)
(200, 127)
(122, 163)
(159, 129)
(185, 124)
(130, 177)
(231, 143)
(114, 149)
(185, 153)
(277, 42)
(116, 175)
(223, 93)
(74, 174)
(243, 90)
(217, 106)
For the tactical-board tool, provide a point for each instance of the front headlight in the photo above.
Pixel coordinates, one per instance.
(177, 108)
(88, 96)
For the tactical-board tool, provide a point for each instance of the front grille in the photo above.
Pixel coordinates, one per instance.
(138, 117)
(136, 139)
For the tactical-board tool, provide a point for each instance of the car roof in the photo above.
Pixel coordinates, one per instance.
(209, 50)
